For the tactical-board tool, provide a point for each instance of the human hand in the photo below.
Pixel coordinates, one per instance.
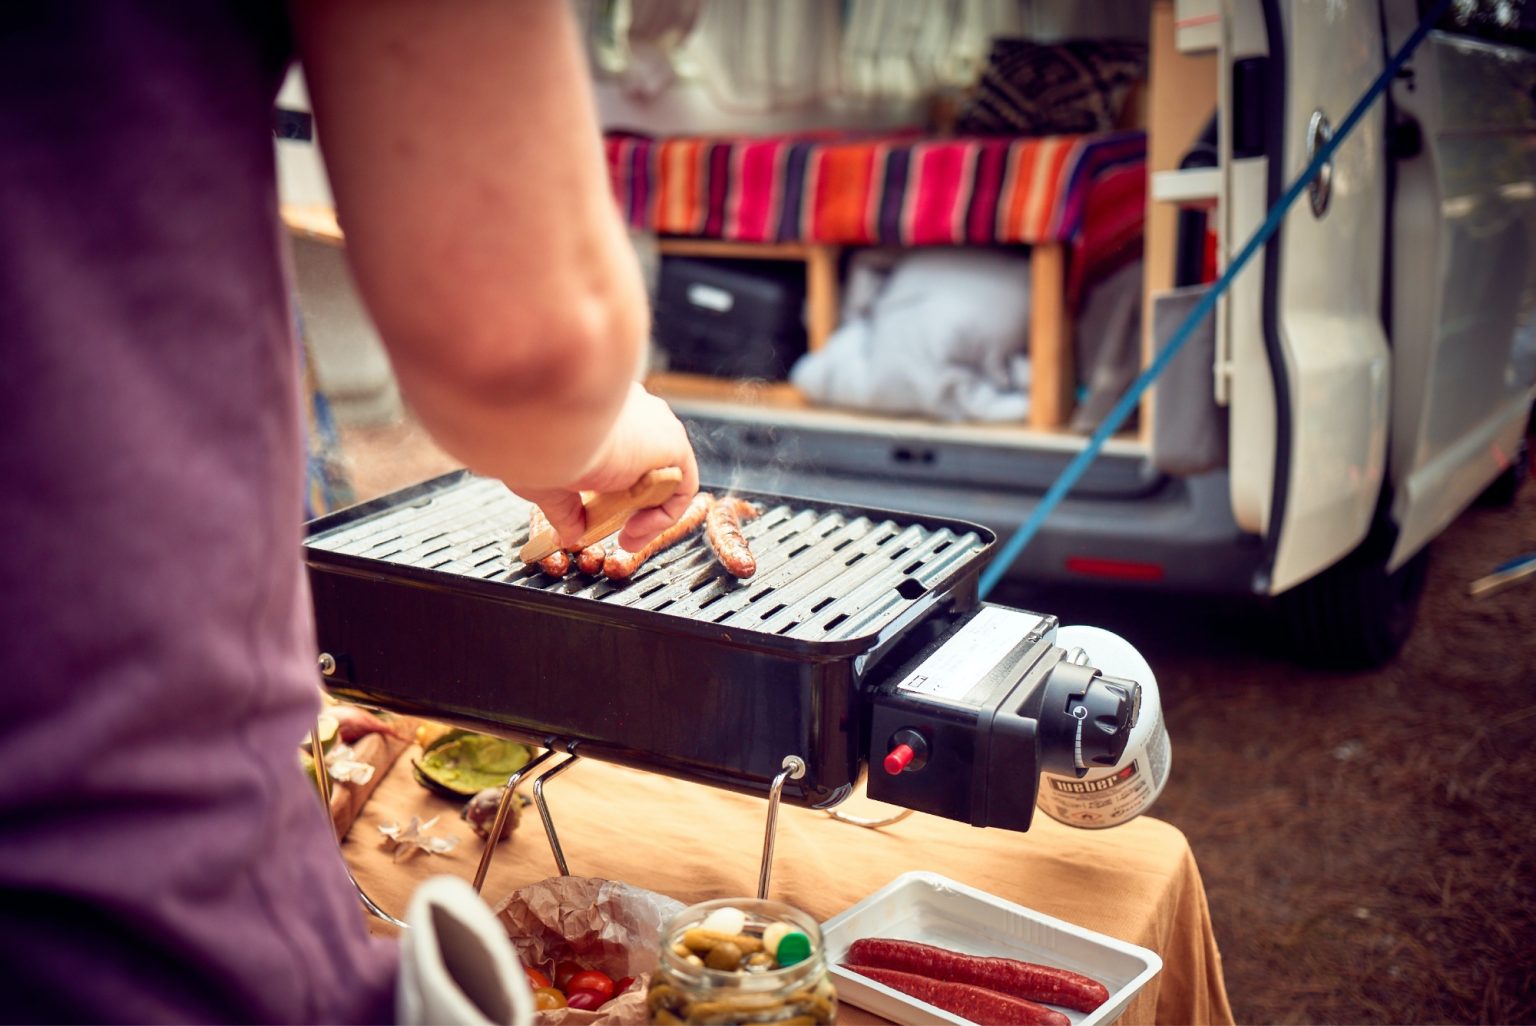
(646, 436)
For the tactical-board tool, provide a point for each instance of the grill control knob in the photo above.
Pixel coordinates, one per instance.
(909, 752)
(1085, 719)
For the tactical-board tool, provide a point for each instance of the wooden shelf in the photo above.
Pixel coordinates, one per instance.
(725, 249)
(1181, 95)
(1188, 187)
(778, 403)
(742, 391)
(1052, 371)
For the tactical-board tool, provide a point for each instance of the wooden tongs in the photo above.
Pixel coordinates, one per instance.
(607, 512)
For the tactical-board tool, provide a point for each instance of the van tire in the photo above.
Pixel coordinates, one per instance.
(1354, 615)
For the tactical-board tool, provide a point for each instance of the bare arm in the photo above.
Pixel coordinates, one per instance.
(466, 161)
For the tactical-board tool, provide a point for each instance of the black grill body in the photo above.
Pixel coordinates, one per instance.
(421, 602)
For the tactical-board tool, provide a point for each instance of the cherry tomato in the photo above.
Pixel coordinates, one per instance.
(536, 979)
(620, 986)
(563, 973)
(592, 980)
(545, 998)
(585, 1000)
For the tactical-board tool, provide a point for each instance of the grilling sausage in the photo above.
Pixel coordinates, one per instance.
(1007, 975)
(590, 559)
(621, 565)
(723, 529)
(966, 1000)
(556, 564)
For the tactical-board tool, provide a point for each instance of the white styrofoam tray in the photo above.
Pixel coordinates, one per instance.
(933, 909)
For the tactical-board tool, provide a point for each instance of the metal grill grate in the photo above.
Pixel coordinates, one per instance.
(822, 574)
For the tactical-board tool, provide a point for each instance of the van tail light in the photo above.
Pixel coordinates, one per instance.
(1115, 569)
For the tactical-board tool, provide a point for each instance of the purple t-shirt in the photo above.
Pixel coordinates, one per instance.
(162, 858)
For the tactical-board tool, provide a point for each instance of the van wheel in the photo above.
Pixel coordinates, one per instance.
(1504, 489)
(1354, 615)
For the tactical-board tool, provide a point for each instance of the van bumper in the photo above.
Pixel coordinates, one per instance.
(1168, 533)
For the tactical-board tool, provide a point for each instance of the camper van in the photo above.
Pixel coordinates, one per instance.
(1366, 378)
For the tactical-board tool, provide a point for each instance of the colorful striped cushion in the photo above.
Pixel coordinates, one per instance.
(1086, 190)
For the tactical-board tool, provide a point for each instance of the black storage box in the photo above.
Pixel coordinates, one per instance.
(731, 318)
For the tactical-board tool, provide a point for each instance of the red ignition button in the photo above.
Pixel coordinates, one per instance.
(908, 754)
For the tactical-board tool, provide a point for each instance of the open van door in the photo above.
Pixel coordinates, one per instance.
(1308, 354)
(1463, 277)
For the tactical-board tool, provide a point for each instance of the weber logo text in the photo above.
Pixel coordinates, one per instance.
(1094, 786)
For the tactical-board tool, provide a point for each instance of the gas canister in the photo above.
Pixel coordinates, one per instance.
(1107, 796)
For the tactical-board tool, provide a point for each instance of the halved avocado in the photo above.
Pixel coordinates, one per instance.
(461, 763)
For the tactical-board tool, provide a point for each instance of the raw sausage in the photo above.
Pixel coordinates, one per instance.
(621, 565)
(556, 564)
(590, 560)
(723, 529)
(1008, 975)
(966, 1000)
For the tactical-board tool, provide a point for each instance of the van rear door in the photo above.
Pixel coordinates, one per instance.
(1463, 277)
(1308, 356)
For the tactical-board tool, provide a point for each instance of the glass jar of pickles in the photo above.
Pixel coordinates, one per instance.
(740, 960)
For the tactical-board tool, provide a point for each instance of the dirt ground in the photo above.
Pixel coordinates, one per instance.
(1366, 838)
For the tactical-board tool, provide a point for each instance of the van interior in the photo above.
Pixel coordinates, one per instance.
(926, 155)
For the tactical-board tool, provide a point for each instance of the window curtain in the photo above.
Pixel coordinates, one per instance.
(908, 49)
(765, 55)
(756, 56)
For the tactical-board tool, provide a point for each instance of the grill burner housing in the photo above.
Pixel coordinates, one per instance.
(424, 608)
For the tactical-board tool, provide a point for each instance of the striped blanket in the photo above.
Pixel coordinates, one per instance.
(1085, 190)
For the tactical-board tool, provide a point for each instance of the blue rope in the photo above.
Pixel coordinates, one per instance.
(1074, 471)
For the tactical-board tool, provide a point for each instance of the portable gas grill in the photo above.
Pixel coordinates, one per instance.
(860, 639)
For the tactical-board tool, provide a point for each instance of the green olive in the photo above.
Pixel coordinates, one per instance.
(724, 956)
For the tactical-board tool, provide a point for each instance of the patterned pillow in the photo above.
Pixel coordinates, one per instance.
(1071, 87)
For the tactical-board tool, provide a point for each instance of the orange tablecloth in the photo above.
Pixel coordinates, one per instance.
(1137, 882)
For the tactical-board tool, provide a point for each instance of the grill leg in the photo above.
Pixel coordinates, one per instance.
(866, 822)
(502, 810)
(543, 806)
(794, 768)
(323, 779)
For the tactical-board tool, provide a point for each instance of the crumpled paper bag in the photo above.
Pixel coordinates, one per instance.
(600, 924)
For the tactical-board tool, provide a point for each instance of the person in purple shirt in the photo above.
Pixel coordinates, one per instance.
(161, 856)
